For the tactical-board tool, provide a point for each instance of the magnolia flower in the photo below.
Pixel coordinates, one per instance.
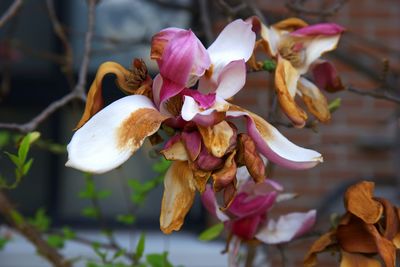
(247, 216)
(206, 144)
(369, 227)
(297, 48)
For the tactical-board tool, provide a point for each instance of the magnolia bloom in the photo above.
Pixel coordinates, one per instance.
(297, 48)
(206, 144)
(370, 227)
(247, 217)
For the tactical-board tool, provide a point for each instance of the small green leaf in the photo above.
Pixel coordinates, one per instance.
(55, 241)
(26, 167)
(212, 232)
(140, 247)
(17, 217)
(158, 260)
(3, 242)
(162, 165)
(269, 65)
(24, 148)
(126, 218)
(103, 194)
(14, 159)
(68, 233)
(4, 138)
(335, 105)
(41, 221)
(90, 212)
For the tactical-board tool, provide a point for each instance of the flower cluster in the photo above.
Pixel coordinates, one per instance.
(192, 95)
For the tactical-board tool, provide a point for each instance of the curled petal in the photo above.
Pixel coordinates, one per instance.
(359, 200)
(286, 78)
(245, 205)
(210, 203)
(111, 136)
(175, 151)
(318, 246)
(248, 155)
(209, 120)
(94, 101)
(217, 138)
(290, 24)
(225, 176)
(235, 42)
(357, 260)
(160, 40)
(207, 162)
(287, 227)
(391, 220)
(246, 228)
(192, 141)
(191, 109)
(315, 101)
(325, 29)
(204, 100)
(326, 76)
(273, 145)
(179, 192)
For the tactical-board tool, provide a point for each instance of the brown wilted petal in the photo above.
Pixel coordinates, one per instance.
(354, 237)
(94, 101)
(248, 155)
(217, 138)
(286, 77)
(229, 194)
(290, 24)
(226, 175)
(176, 151)
(359, 201)
(357, 260)
(320, 245)
(179, 192)
(315, 101)
(200, 177)
(386, 248)
(391, 221)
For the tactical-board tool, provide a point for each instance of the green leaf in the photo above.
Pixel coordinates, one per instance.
(269, 65)
(17, 217)
(41, 221)
(89, 191)
(212, 232)
(14, 159)
(56, 241)
(162, 165)
(335, 104)
(68, 233)
(158, 260)
(140, 247)
(24, 148)
(3, 242)
(90, 212)
(103, 194)
(26, 167)
(4, 138)
(126, 218)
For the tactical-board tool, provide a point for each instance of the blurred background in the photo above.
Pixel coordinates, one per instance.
(361, 142)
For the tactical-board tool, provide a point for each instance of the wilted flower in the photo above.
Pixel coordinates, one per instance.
(247, 217)
(297, 47)
(370, 227)
(205, 144)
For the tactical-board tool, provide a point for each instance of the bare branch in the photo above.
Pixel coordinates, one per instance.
(380, 93)
(79, 90)
(297, 6)
(11, 12)
(17, 221)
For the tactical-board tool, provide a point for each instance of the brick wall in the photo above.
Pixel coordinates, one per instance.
(358, 142)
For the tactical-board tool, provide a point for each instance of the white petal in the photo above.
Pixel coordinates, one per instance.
(287, 227)
(190, 108)
(231, 79)
(317, 46)
(111, 136)
(272, 36)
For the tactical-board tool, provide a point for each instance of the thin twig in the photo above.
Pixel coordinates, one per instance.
(79, 90)
(11, 12)
(67, 66)
(231, 11)
(16, 220)
(205, 20)
(380, 93)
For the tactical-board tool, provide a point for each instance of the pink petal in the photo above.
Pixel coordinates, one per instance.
(192, 143)
(260, 189)
(247, 227)
(326, 29)
(245, 205)
(287, 227)
(276, 147)
(204, 100)
(157, 84)
(210, 203)
(160, 41)
(191, 108)
(169, 89)
(209, 120)
(172, 141)
(208, 162)
(326, 77)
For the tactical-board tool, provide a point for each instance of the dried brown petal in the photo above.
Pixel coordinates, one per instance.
(391, 221)
(217, 138)
(386, 248)
(359, 201)
(357, 260)
(319, 245)
(226, 175)
(290, 24)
